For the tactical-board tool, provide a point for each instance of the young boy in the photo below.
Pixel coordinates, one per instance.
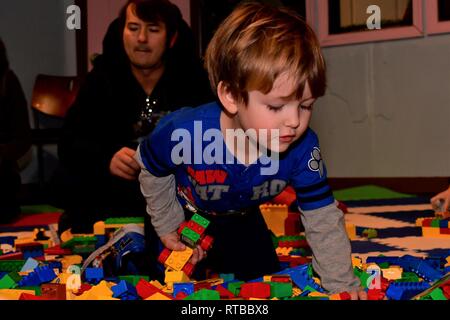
(267, 69)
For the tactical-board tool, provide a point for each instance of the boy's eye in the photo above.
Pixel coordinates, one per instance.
(307, 108)
(153, 29)
(132, 28)
(275, 108)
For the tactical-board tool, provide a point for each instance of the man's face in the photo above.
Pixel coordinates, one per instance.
(277, 110)
(144, 42)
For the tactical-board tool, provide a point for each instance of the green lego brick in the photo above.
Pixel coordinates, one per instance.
(308, 288)
(125, 220)
(9, 281)
(384, 265)
(235, 287)
(363, 276)
(190, 235)
(280, 289)
(11, 265)
(80, 241)
(437, 294)
(200, 220)
(408, 277)
(134, 279)
(204, 294)
(435, 223)
(274, 240)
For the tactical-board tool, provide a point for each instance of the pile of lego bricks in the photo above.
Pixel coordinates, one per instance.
(37, 269)
(434, 227)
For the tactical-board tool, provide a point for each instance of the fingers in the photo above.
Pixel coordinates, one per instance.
(197, 255)
(358, 295)
(124, 165)
(172, 242)
(362, 295)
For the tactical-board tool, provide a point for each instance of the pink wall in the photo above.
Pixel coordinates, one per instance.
(102, 12)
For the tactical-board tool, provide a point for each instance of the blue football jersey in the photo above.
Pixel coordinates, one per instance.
(186, 142)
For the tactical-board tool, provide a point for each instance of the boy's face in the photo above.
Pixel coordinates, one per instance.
(144, 42)
(276, 110)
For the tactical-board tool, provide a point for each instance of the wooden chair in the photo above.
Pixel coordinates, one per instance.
(52, 97)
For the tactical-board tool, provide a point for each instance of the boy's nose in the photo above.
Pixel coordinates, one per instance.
(292, 118)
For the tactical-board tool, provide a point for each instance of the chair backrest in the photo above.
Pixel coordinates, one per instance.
(54, 95)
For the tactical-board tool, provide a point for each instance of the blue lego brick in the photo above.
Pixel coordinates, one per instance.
(93, 275)
(124, 290)
(187, 288)
(405, 290)
(443, 224)
(45, 274)
(55, 265)
(30, 280)
(226, 276)
(30, 264)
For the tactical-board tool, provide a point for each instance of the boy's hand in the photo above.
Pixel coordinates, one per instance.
(358, 295)
(124, 165)
(172, 241)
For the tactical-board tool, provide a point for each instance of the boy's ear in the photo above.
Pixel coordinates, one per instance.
(226, 98)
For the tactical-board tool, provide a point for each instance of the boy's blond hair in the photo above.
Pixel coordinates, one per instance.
(256, 44)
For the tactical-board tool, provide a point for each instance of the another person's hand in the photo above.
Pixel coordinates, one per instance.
(124, 165)
(172, 242)
(441, 203)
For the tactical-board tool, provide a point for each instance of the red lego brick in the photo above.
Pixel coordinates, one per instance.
(12, 256)
(280, 278)
(343, 207)
(164, 255)
(83, 288)
(292, 224)
(345, 296)
(426, 222)
(206, 243)
(146, 289)
(224, 292)
(375, 294)
(54, 291)
(180, 229)
(57, 251)
(27, 296)
(444, 230)
(181, 295)
(188, 269)
(287, 197)
(446, 290)
(195, 227)
(201, 285)
(255, 290)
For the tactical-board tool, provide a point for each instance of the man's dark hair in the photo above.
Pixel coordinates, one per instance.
(4, 63)
(154, 11)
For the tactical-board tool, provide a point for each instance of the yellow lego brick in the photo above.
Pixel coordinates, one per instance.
(175, 276)
(68, 261)
(13, 294)
(317, 294)
(177, 259)
(274, 216)
(357, 262)
(419, 222)
(296, 292)
(102, 290)
(392, 273)
(23, 241)
(99, 228)
(158, 296)
(267, 278)
(430, 232)
(284, 251)
(351, 231)
(335, 296)
(157, 284)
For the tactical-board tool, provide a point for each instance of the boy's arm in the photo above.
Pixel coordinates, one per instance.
(165, 211)
(326, 234)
